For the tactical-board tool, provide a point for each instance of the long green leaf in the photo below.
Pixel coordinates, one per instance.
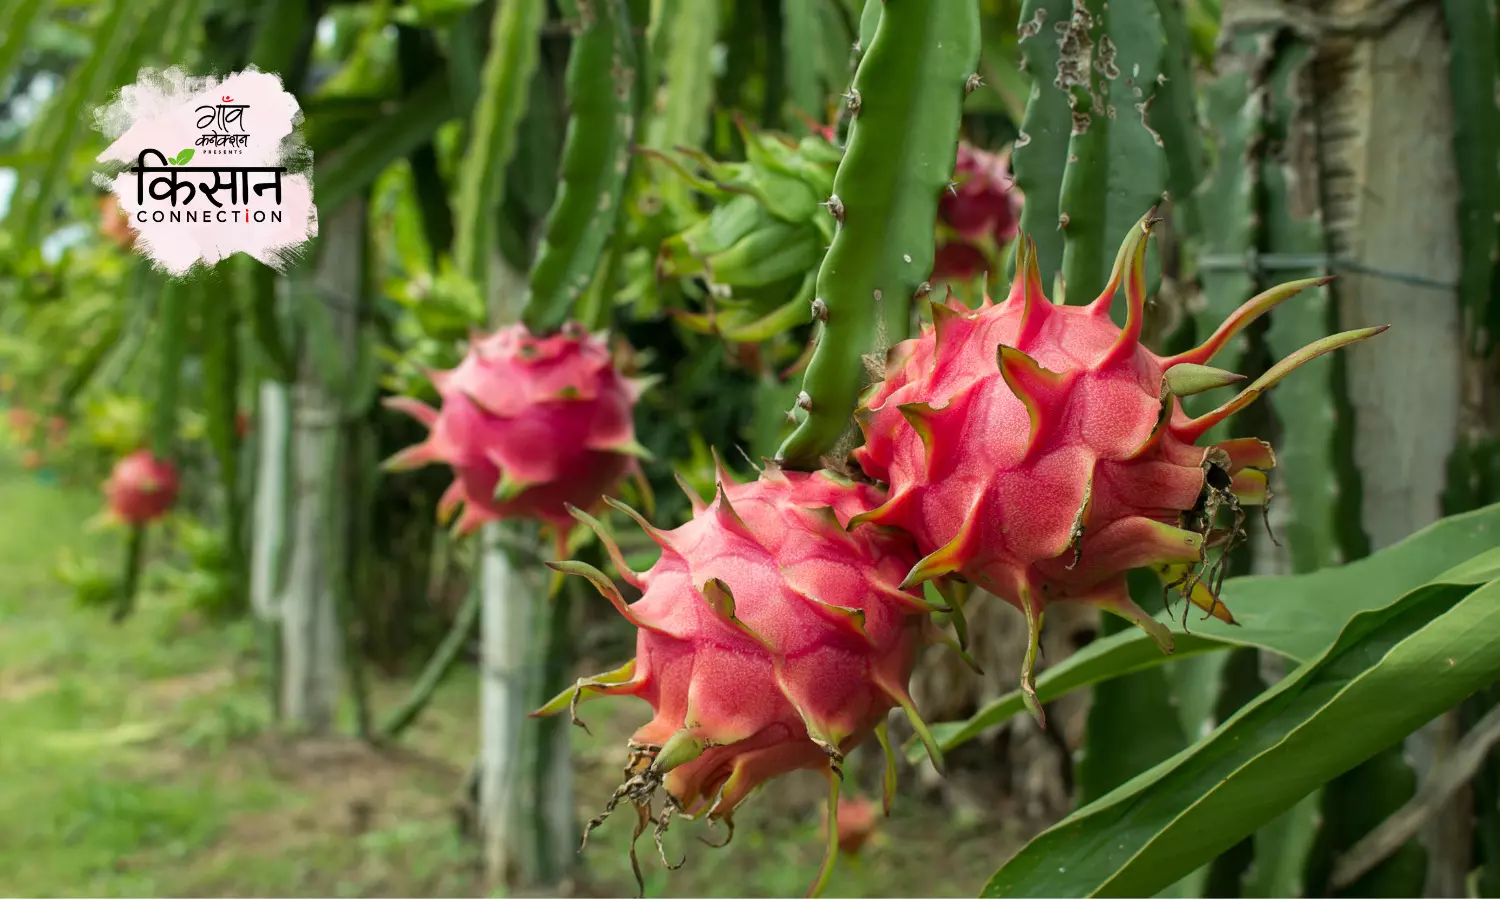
(682, 35)
(57, 132)
(802, 44)
(1296, 616)
(1390, 671)
(219, 314)
(17, 16)
(1175, 117)
(172, 306)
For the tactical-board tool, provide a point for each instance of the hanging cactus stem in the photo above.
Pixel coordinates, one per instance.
(596, 158)
(902, 141)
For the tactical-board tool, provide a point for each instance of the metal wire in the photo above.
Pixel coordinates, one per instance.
(1271, 262)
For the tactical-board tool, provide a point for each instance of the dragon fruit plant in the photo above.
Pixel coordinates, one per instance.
(771, 637)
(1039, 451)
(530, 425)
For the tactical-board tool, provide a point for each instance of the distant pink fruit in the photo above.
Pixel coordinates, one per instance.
(529, 425)
(858, 819)
(983, 201)
(141, 489)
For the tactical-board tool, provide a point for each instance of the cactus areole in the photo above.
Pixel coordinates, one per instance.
(141, 489)
(529, 425)
(1039, 451)
(770, 639)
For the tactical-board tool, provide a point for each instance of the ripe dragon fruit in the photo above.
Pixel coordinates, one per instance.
(857, 822)
(770, 639)
(982, 211)
(529, 425)
(141, 489)
(1039, 450)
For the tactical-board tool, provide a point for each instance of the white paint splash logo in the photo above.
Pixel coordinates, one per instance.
(214, 168)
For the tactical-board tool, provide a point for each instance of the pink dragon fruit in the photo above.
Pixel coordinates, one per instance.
(1039, 450)
(857, 822)
(984, 201)
(141, 489)
(529, 425)
(770, 639)
(981, 212)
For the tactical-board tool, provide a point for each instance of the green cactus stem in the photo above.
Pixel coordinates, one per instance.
(682, 34)
(1109, 61)
(1476, 144)
(1306, 459)
(1231, 189)
(1174, 115)
(506, 87)
(907, 100)
(595, 161)
(1041, 151)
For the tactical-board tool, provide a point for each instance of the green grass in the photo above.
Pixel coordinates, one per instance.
(139, 760)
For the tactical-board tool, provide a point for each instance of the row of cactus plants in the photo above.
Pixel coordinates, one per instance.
(1032, 448)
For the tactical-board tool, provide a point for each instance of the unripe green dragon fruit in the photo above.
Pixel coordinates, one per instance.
(529, 425)
(758, 249)
(1039, 451)
(770, 639)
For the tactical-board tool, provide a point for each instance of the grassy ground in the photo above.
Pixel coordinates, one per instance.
(139, 761)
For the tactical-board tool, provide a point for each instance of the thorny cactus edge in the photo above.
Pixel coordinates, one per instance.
(770, 639)
(1039, 451)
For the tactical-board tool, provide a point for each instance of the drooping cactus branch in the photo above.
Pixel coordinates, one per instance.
(596, 158)
(907, 99)
(514, 38)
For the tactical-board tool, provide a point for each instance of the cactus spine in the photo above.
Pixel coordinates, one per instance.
(907, 100)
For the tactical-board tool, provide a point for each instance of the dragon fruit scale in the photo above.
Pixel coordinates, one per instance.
(1039, 450)
(529, 424)
(770, 639)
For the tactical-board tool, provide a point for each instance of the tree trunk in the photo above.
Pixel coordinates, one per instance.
(1391, 207)
(525, 770)
(506, 629)
(312, 646)
(268, 543)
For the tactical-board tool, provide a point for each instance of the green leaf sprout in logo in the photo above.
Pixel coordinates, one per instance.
(181, 159)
